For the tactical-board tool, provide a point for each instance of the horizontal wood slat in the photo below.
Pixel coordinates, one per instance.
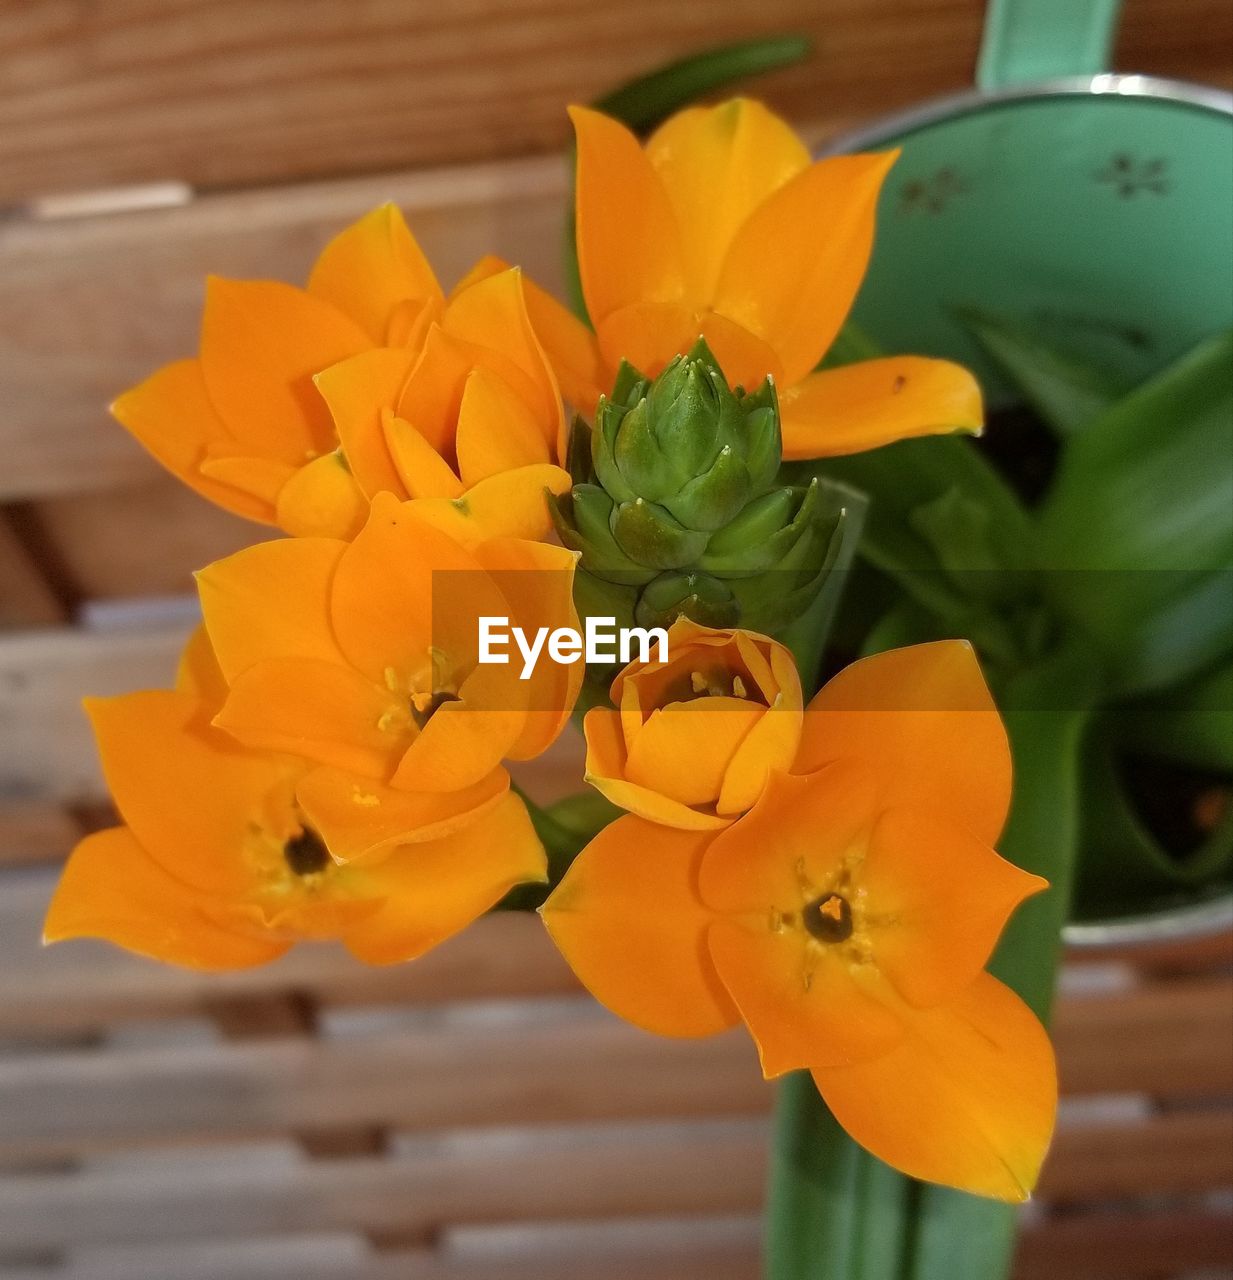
(223, 93)
(628, 1172)
(575, 1066)
(45, 746)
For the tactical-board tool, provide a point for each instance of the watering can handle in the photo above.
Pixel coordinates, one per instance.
(1028, 40)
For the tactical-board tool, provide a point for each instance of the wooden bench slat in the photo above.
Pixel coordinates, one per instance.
(672, 1169)
(222, 95)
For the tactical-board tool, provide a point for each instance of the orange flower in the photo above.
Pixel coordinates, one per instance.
(446, 398)
(846, 921)
(721, 227)
(219, 867)
(362, 658)
(694, 738)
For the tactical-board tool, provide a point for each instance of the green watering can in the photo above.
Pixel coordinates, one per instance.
(1098, 205)
(1101, 204)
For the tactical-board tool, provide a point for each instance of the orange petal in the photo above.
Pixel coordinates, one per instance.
(357, 392)
(804, 1002)
(510, 505)
(647, 334)
(111, 889)
(629, 244)
(718, 164)
(186, 791)
(940, 899)
(358, 817)
(792, 845)
(922, 721)
(536, 579)
(490, 316)
(769, 747)
(261, 344)
(684, 749)
(271, 600)
(170, 414)
(433, 890)
(496, 430)
(875, 402)
(198, 673)
(967, 1100)
(466, 739)
(322, 500)
(316, 710)
(629, 922)
(794, 268)
(422, 472)
(262, 479)
(403, 588)
(372, 266)
(605, 769)
(570, 347)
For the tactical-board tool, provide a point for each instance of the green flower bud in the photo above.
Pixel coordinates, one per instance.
(678, 502)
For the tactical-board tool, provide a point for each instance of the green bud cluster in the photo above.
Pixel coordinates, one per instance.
(677, 508)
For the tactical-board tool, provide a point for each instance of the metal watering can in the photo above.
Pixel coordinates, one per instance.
(1098, 204)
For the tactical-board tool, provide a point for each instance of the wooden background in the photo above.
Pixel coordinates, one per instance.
(470, 1116)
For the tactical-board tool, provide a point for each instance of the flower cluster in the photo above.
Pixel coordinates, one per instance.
(331, 760)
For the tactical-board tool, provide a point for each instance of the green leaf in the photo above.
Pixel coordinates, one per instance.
(1136, 537)
(650, 99)
(647, 101)
(1125, 870)
(1193, 724)
(906, 538)
(833, 1210)
(807, 636)
(1067, 393)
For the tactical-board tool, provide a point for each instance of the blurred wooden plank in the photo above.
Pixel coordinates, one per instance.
(218, 94)
(32, 832)
(679, 1258)
(1163, 1155)
(1174, 1041)
(48, 752)
(1172, 1038)
(669, 1169)
(624, 1172)
(1127, 1246)
(578, 1066)
(139, 539)
(27, 598)
(90, 306)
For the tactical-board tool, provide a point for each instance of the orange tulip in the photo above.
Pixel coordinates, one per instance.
(362, 658)
(219, 867)
(846, 920)
(449, 398)
(722, 227)
(694, 739)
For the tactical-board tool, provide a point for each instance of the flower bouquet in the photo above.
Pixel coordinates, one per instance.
(502, 518)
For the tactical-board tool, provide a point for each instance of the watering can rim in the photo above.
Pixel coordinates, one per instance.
(970, 101)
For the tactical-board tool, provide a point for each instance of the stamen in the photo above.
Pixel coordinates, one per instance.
(738, 688)
(306, 853)
(829, 919)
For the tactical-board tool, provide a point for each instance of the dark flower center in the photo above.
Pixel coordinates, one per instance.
(306, 853)
(829, 919)
(421, 714)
